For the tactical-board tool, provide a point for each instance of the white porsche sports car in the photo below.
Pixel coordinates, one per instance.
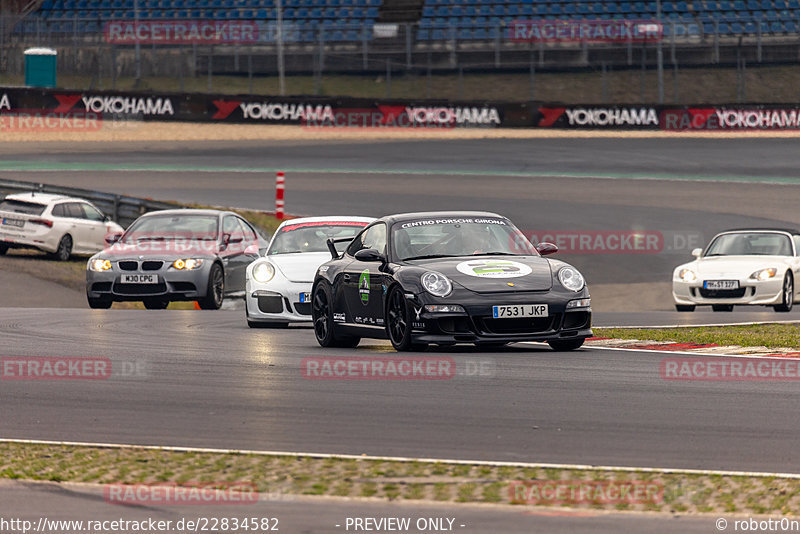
(756, 267)
(278, 285)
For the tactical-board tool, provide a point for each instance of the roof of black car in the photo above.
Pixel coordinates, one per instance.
(398, 217)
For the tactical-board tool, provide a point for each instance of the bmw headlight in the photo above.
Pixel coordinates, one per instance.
(687, 275)
(436, 284)
(263, 272)
(99, 265)
(764, 274)
(571, 279)
(189, 264)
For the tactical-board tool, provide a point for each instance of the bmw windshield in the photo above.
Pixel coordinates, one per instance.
(172, 227)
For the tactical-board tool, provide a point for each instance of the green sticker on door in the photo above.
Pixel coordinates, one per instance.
(363, 287)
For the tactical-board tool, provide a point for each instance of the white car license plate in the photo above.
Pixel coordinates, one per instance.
(139, 279)
(721, 284)
(19, 223)
(523, 310)
(305, 297)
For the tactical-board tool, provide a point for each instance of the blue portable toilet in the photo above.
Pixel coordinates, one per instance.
(40, 67)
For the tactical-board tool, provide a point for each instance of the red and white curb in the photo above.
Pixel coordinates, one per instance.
(691, 348)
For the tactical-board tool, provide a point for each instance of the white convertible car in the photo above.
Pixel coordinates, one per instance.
(278, 285)
(756, 267)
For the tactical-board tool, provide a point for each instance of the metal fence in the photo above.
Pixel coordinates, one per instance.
(411, 59)
(122, 209)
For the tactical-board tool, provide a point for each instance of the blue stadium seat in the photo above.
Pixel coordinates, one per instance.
(423, 35)
(776, 27)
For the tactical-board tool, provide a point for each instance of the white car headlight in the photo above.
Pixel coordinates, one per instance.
(263, 272)
(99, 265)
(764, 274)
(571, 279)
(189, 264)
(436, 284)
(687, 275)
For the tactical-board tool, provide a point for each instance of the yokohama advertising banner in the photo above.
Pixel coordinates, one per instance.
(24, 108)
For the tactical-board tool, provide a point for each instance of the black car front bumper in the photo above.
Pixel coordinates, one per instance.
(477, 324)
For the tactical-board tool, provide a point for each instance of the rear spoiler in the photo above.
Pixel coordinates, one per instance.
(332, 245)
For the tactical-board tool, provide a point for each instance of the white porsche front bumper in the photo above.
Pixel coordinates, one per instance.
(280, 302)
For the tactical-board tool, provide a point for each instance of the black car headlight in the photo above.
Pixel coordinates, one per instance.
(436, 284)
(571, 279)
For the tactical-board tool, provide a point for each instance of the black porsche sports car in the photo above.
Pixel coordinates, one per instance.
(444, 278)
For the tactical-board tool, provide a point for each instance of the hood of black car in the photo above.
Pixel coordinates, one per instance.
(488, 274)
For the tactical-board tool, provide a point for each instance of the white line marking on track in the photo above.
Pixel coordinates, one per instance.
(662, 470)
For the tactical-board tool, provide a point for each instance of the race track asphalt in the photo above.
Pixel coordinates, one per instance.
(205, 380)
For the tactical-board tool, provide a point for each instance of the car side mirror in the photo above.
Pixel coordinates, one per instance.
(697, 252)
(546, 248)
(110, 239)
(369, 254)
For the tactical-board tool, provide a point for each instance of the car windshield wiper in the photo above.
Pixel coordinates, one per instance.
(429, 256)
(153, 238)
(494, 254)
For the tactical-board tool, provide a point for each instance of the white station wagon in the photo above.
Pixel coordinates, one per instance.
(756, 267)
(57, 224)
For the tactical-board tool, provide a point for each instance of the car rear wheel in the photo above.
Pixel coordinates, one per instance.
(722, 307)
(64, 250)
(322, 317)
(787, 298)
(684, 307)
(398, 322)
(99, 304)
(216, 289)
(156, 304)
(565, 344)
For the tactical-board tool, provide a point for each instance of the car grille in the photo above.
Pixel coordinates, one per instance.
(575, 320)
(140, 289)
(303, 308)
(526, 325)
(722, 293)
(101, 286)
(128, 265)
(183, 286)
(152, 265)
(270, 304)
